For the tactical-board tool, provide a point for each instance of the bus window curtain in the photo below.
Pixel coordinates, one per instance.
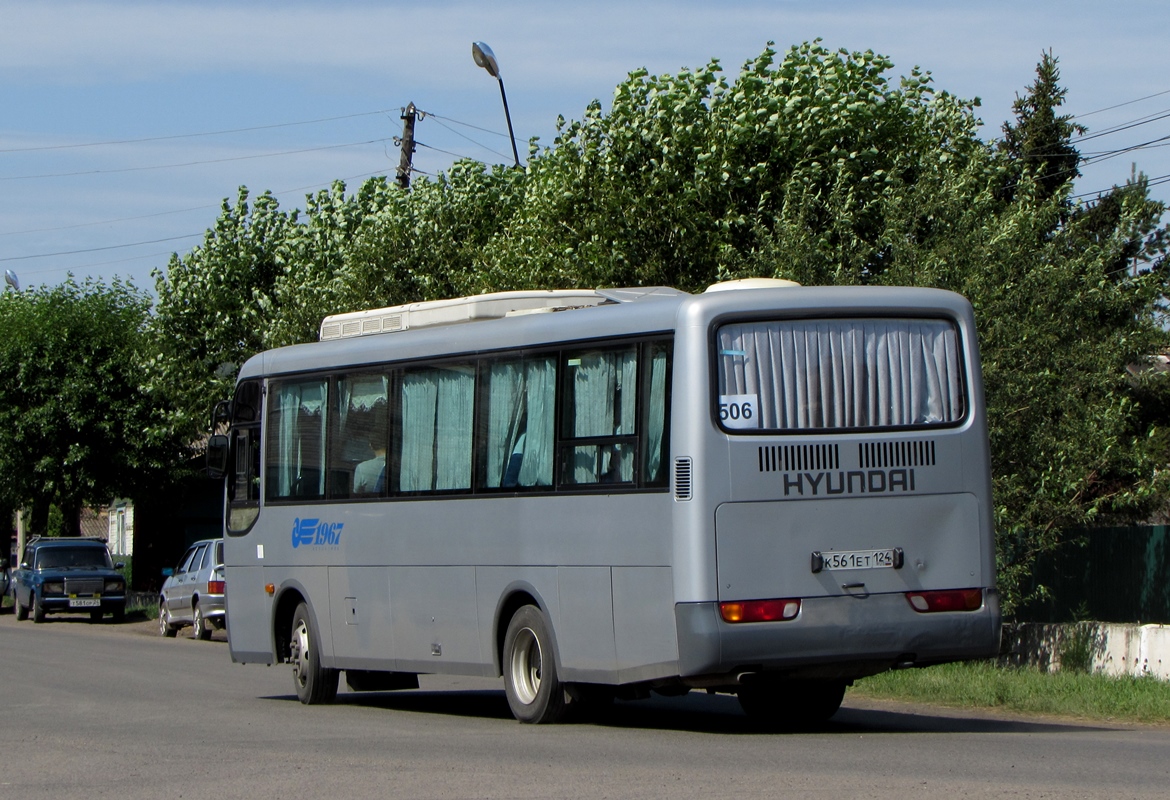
(604, 383)
(437, 415)
(288, 445)
(299, 468)
(845, 373)
(656, 419)
(521, 396)
(454, 430)
(419, 394)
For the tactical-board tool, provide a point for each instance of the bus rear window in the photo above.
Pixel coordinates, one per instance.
(797, 375)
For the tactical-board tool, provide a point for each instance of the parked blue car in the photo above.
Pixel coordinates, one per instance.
(68, 575)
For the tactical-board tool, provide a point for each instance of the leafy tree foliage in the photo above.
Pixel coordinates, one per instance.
(215, 306)
(815, 166)
(75, 427)
(1038, 143)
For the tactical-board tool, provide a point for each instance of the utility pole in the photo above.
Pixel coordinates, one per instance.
(409, 115)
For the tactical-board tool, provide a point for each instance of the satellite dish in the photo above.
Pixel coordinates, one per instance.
(11, 279)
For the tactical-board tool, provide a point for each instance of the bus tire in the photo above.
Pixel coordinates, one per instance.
(314, 684)
(793, 704)
(535, 693)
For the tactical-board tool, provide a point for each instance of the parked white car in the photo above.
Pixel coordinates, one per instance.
(193, 592)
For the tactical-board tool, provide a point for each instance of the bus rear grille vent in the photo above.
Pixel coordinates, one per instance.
(896, 454)
(682, 478)
(799, 457)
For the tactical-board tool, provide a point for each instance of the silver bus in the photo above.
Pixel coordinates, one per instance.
(764, 489)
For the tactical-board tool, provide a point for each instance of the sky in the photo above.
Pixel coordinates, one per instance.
(125, 125)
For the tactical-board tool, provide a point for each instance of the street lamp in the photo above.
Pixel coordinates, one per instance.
(484, 57)
(11, 279)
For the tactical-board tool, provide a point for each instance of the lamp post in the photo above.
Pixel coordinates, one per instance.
(484, 57)
(11, 279)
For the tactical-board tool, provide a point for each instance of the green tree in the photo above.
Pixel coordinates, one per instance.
(817, 166)
(75, 425)
(1039, 143)
(215, 307)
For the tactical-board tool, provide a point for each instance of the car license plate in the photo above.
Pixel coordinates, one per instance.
(85, 602)
(859, 559)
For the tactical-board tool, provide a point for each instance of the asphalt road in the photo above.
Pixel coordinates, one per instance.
(116, 711)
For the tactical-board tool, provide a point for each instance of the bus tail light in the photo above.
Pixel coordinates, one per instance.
(759, 610)
(946, 600)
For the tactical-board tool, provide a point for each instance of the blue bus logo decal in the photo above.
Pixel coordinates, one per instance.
(315, 533)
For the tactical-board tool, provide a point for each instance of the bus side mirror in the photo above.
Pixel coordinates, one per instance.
(217, 456)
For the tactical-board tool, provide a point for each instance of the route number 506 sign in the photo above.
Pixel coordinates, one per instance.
(739, 410)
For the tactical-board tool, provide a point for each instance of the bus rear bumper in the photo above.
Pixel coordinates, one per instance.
(832, 637)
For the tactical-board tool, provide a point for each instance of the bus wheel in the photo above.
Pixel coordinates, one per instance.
(535, 693)
(314, 683)
(791, 704)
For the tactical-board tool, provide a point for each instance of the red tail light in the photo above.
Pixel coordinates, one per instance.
(759, 610)
(215, 587)
(946, 600)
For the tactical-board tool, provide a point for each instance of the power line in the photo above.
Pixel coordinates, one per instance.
(468, 125)
(189, 135)
(1158, 181)
(438, 150)
(468, 138)
(1121, 151)
(156, 241)
(1119, 105)
(178, 210)
(108, 221)
(98, 249)
(80, 267)
(192, 163)
(1125, 126)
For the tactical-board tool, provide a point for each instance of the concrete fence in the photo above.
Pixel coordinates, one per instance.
(1109, 648)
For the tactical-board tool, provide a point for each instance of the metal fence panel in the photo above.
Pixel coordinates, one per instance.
(1110, 575)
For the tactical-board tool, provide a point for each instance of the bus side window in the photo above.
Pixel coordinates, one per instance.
(357, 461)
(434, 431)
(244, 484)
(518, 438)
(599, 430)
(656, 429)
(296, 440)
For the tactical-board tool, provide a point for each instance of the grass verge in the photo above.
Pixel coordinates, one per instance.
(983, 684)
